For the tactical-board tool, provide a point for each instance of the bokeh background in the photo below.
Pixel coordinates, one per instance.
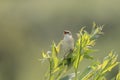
(28, 26)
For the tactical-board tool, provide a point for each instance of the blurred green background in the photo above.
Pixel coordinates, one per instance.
(28, 26)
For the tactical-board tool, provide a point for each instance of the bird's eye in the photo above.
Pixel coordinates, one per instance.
(65, 32)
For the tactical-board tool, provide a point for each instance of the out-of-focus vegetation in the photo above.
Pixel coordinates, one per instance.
(26, 26)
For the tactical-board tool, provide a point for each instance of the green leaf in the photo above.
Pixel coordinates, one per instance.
(109, 62)
(58, 47)
(118, 76)
(54, 55)
(105, 62)
(96, 31)
(45, 55)
(110, 68)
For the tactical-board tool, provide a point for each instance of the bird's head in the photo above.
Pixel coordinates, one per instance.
(66, 32)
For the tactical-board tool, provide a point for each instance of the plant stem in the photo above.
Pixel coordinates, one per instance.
(60, 74)
(79, 56)
(50, 77)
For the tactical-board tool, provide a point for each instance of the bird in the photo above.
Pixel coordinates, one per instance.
(67, 47)
(67, 43)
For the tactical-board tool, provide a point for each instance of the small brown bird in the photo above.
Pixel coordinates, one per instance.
(67, 43)
(67, 48)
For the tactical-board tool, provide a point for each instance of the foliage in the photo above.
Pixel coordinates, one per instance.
(83, 48)
(118, 76)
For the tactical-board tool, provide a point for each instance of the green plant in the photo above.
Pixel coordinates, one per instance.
(83, 48)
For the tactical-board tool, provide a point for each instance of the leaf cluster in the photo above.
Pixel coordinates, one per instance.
(83, 48)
